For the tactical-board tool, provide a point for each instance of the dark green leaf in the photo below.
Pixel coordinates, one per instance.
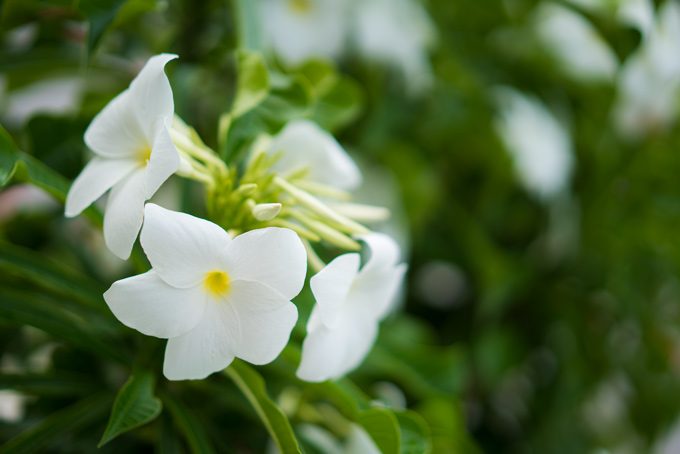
(189, 425)
(135, 405)
(19, 166)
(447, 426)
(50, 275)
(253, 387)
(50, 430)
(99, 14)
(52, 384)
(39, 311)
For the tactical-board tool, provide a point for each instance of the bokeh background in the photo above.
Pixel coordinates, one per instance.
(529, 151)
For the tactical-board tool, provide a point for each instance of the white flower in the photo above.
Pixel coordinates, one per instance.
(540, 146)
(349, 305)
(649, 83)
(12, 406)
(303, 144)
(356, 441)
(134, 155)
(585, 55)
(398, 33)
(298, 30)
(636, 13)
(213, 297)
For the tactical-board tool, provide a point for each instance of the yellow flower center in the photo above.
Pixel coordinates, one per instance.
(300, 6)
(143, 155)
(217, 282)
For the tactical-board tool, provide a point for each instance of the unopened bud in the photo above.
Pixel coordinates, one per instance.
(266, 211)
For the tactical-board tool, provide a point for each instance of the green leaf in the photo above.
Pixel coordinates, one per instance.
(383, 427)
(265, 101)
(99, 14)
(15, 165)
(48, 274)
(252, 386)
(53, 428)
(415, 433)
(135, 405)
(52, 384)
(188, 424)
(337, 98)
(252, 83)
(26, 308)
(248, 23)
(447, 426)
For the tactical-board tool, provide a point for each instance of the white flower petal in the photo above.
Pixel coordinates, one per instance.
(115, 132)
(360, 336)
(331, 353)
(164, 161)
(259, 321)
(124, 214)
(151, 95)
(98, 176)
(152, 307)
(181, 247)
(302, 143)
(322, 353)
(331, 286)
(200, 352)
(384, 250)
(273, 256)
(374, 291)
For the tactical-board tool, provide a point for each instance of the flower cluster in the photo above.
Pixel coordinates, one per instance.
(398, 33)
(222, 288)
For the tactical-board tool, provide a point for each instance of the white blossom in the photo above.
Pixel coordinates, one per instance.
(350, 302)
(302, 144)
(584, 55)
(540, 146)
(298, 30)
(397, 33)
(636, 13)
(133, 155)
(214, 298)
(649, 83)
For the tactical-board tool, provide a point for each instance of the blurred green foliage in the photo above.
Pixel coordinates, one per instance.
(565, 338)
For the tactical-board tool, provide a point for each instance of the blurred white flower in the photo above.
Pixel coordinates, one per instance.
(399, 33)
(441, 284)
(584, 55)
(302, 144)
(649, 83)
(636, 13)
(11, 406)
(24, 198)
(134, 155)
(58, 95)
(214, 298)
(357, 441)
(540, 146)
(298, 30)
(349, 305)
